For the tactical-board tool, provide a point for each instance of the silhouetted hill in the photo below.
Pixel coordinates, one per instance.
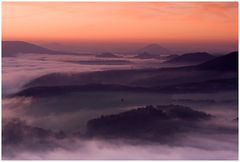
(191, 58)
(148, 77)
(107, 55)
(150, 123)
(154, 49)
(11, 48)
(227, 62)
(61, 90)
(208, 86)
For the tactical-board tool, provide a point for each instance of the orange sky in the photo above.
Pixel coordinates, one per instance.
(124, 21)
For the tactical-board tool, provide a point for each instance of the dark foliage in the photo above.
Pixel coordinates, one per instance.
(151, 123)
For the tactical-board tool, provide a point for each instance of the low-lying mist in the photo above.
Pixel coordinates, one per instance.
(55, 127)
(219, 141)
(193, 147)
(19, 70)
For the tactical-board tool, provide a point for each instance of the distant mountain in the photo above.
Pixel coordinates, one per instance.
(210, 70)
(190, 58)
(107, 55)
(11, 48)
(227, 62)
(155, 49)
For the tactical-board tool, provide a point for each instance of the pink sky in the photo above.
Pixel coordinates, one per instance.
(177, 23)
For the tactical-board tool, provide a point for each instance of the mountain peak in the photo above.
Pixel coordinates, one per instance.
(154, 45)
(155, 48)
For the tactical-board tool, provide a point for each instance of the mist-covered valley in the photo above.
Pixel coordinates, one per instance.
(119, 106)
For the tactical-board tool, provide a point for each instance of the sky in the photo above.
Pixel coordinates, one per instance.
(175, 24)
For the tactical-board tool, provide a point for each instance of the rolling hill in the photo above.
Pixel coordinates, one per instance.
(227, 62)
(219, 74)
(190, 58)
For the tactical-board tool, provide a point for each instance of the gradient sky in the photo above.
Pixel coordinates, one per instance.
(213, 23)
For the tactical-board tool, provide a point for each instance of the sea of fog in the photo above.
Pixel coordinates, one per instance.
(17, 71)
(71, 112)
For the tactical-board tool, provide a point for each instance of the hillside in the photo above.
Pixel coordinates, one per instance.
(191, 58)
(12, 48)
(156, 123)
(227, 62)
